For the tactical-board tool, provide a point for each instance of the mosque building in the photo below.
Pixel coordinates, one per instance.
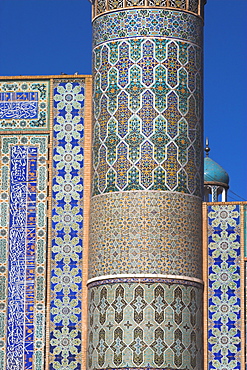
(114, 253)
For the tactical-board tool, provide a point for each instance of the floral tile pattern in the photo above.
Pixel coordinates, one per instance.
(147, 104)
(67, 225)
(141, 232)
(144, 323)
(146, 185)
(224, 287)
(23, 174)
(24, 105)
(192, 5)
(135, 23)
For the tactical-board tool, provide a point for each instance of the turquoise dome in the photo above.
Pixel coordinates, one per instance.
(213, 172)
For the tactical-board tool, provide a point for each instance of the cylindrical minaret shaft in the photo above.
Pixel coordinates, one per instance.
(145, 289)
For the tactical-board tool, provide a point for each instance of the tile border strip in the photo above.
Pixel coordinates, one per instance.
(21, 272)
(49, 237)
(144, 278)
(101, 36)
(86, 212)
(220, 225)
(242, 277)
(138, 368)
(205, 279)
(147, 191)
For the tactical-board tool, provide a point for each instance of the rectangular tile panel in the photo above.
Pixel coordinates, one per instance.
(23, 225)
(67, 224)
(24, 105)
(21, 257)
(225, 346)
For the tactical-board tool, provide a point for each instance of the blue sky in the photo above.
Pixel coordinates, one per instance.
(45, 37)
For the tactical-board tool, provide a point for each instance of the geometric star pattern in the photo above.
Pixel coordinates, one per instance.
(134, 335)
(145, 169)
(145, 95)
(23, 226)
(67, 225)
(224, 287)
(141, 232)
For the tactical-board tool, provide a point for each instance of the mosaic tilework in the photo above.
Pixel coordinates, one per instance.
(194, 6)
(24, 105)
(21, 257)
(224, 284)
(146, 188)
(152, 232)
(138, 324)
(147, 108)
(23, 177)
(160, 23)
(67, 226)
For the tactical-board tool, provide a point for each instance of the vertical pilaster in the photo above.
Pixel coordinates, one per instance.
(145, 288)
(24, 138)
(66, 275)
(224, 297)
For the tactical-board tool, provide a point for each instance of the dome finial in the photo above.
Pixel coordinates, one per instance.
(207, 149)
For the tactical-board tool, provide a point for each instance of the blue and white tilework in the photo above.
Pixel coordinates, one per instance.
(224, 287)
(135, 23)
(22, 238)
(67, 226)
(21, 257)
(147, 102)
(147, 140)
(24, 105)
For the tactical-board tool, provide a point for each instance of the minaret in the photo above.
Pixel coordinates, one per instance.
(145, 287)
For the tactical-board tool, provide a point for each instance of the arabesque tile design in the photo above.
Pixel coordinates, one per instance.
(194, 6)
(67, 225)
(224, 287)
(146, 185)
(152, 232)
(135, 23)
(145, 323)
(147, 115)
(23, 226)
(24, 105)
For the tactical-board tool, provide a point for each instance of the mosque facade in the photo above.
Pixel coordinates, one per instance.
(109, 257)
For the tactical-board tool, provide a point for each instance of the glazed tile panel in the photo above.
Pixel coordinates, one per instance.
(24, 105)
(21, 257)
(145, 323)
(224, 292)
(145, 232)
(147, 110)
(146, 186)
(67, 226)
(135, 23)
(101, 6)
(23, 176)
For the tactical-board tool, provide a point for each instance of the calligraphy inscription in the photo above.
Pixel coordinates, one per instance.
(24, 105)
(21, 263)
(18, 105)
